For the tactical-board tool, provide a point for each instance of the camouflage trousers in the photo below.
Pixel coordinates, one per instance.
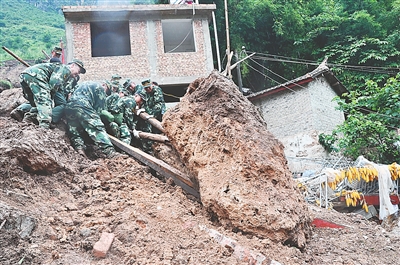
(144, 144)
(82, 118)
(38, 93)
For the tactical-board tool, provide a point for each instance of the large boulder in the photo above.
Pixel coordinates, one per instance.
(240, 167)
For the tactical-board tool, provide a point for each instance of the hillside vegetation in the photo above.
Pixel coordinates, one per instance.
(27, 30)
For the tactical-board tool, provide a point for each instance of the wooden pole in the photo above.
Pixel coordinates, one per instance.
(153, 121)
(228, 46)
(45, 54)
(153, 136)
(16, 57)
(160, 166)
(216, 42)
(235, 64)
(239, 75)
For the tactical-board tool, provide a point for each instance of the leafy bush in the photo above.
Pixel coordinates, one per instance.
(372, 125)
(5, 84)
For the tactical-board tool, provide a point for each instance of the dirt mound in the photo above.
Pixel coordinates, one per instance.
(240, 167)
(55, 205)
(10, 70)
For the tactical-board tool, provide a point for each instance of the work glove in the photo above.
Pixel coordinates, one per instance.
(136, 134)
(139, 111)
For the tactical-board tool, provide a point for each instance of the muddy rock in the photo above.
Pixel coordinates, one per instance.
(243, 178)
(11, 99)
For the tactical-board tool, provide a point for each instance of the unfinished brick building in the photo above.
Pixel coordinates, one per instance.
(169, 43)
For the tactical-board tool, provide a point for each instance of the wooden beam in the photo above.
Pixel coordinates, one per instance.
(160, 166)
(153, 121)
(235, 64)
(154, 137)
(15, 56)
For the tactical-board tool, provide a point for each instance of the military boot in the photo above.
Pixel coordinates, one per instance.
(30, 117)
(17, 114)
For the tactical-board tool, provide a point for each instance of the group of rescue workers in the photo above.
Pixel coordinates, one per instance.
(92, 110)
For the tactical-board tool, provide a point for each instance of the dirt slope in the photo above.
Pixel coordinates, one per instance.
(240, 166)
(54, 205)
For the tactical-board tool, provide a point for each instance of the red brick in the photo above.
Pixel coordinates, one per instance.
(102, 246)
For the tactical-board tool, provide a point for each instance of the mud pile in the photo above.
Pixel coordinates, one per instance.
(240, 167)
(55, 205)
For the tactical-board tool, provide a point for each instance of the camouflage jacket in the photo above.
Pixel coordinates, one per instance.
(111, 103)
(155, 104)
(62, 95)
(54, 74)
(126, 105)
(89, 95)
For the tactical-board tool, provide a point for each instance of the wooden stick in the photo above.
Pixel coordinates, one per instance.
(235, 64)
(45, 54)
(152, 136)
(160, 166)
(153, 121)
(15, 56)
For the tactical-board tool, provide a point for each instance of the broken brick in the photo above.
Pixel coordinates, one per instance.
(102, 246)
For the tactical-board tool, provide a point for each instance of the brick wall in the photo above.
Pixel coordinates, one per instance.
(296, 117)
(169, 68)
(183, 64)
(301, 109)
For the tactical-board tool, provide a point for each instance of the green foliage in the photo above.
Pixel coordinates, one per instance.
(28, 30)
(5, 84)
(373, 118)
(359, 33)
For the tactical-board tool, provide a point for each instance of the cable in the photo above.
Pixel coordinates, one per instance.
(170, 95)
(360, 108)
(191, 30)
(360, 68)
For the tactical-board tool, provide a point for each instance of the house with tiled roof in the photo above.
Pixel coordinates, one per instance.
(297, 111)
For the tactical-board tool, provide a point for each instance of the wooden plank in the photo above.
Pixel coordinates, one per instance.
(158, 165)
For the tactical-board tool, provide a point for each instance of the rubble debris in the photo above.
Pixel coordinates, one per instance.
(242, 253)
(102, 246)
(243, 177)
(14, 219)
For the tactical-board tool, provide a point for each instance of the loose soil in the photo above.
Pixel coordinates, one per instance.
(54, 206)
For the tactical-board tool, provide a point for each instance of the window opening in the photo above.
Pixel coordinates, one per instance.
(178, 35)
(110, 38)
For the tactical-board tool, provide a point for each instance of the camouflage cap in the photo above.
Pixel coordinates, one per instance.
(124, 91)
(127, 83)
(57, 50)
(108, 84)
(146, 83)
(116, 77)
(80, 64)
(142, 94)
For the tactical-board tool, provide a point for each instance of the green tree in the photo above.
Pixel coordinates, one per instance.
(372, 124)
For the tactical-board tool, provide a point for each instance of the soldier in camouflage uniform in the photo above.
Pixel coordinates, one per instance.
(82, 113)
(115, 81)
(142, 125)
(131, 87)
(56, 55)
(155, 104)
(39, 84)
(61, 98)
(113, 120)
